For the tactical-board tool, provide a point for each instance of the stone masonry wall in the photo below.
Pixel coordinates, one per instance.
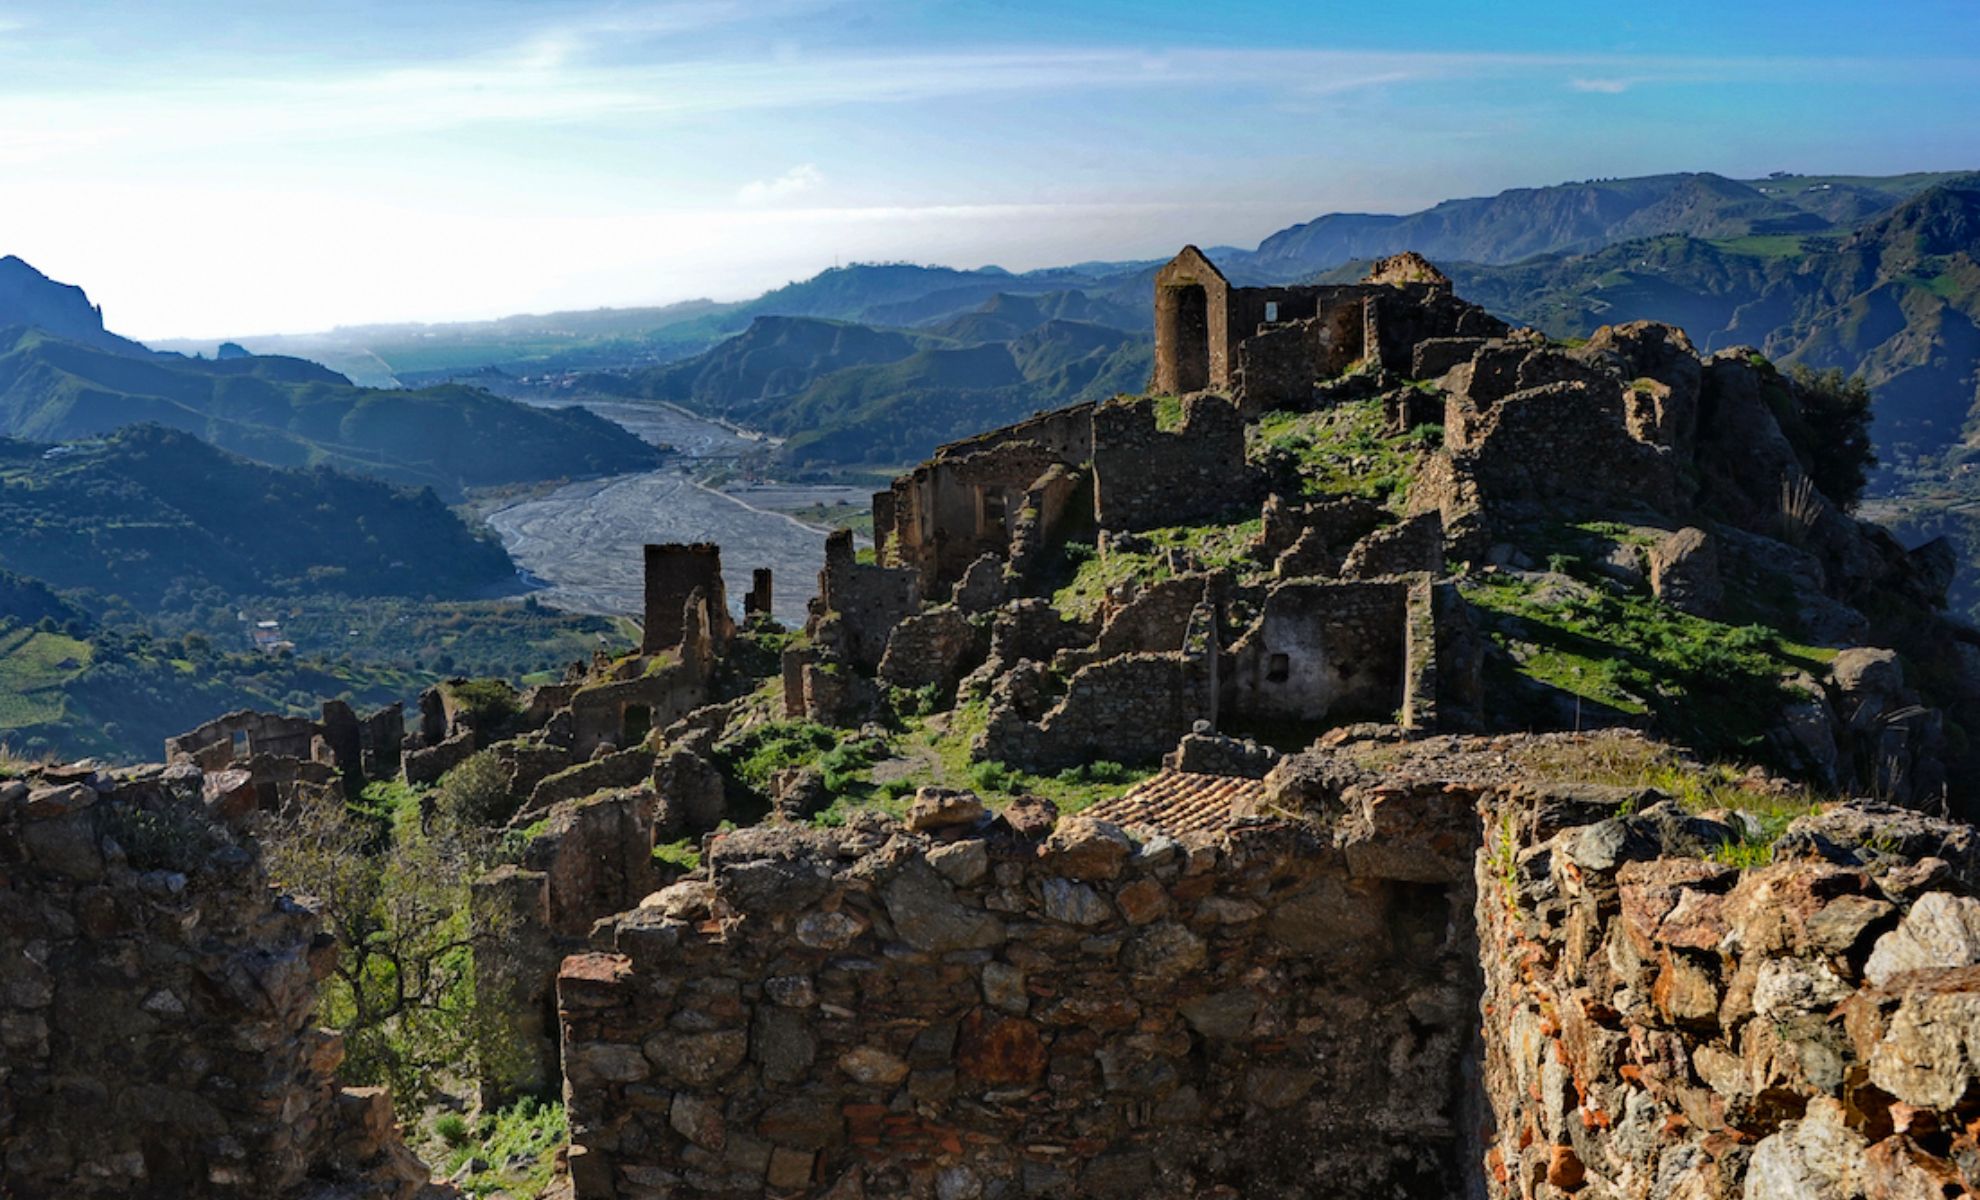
(1661, 1024)
(157, 1004)
(966, 1012)
(868, 600)
(1145, 478)
(1321, 650)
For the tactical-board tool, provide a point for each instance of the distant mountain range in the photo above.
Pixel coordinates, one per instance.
(63, 376)
(876, 362)
(844, 393)
(1573, 218)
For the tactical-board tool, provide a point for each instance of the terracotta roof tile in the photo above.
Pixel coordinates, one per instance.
(1177, 802)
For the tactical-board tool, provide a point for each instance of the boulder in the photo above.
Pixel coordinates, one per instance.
(1684, 572)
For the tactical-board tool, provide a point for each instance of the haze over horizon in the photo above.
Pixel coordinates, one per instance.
(216, 170)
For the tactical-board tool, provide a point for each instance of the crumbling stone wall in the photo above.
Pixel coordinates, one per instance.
(934, 649)
(240, 735)
(593, 858)
(157, 1004)
(271, 754)
(1271, 343)
(1559, 444)
(1145, 478)
(1321, 651)
(966, 501)
(1664, 1024)
(674, 572)
(1131, 708)
(1154, 620)
(866, 600)
(968, 1013)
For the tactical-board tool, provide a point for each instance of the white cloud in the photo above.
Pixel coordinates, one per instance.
(1607, 87)
(805, 177)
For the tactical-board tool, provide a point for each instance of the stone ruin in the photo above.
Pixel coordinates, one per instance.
(1256, 972)
(1266, 345)
(158, 1003)
(254, 760)
(1359, 621)
(1235, 988)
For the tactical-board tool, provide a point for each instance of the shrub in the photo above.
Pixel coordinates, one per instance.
(162, 839)
(1834, 411)
(452, 1128)
(475, 795)
(1100, 771)
(992, 776)
(487, 702)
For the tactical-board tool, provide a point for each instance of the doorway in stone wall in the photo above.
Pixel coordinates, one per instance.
(1187, 317)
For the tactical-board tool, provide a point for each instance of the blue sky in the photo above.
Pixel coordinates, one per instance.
(233, 168)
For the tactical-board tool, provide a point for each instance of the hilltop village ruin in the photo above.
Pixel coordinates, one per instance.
(1353, 923)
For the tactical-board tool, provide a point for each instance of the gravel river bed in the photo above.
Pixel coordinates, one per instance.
(581, 544)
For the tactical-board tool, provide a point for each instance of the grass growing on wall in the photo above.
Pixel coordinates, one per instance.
(1346, 450)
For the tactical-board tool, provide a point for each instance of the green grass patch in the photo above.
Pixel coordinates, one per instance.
(1212, 546)
(1615, 759)
(1716, 687)
(518, 1144)
(1095, 575)
(1345, 450)
(34, 666)
(759, 754)
(685, 853)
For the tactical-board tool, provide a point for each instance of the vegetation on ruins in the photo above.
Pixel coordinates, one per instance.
(1716, 686)
(510, 1151)
(474, 795)
(393, 885)
(1345, 450)
(1829, 425)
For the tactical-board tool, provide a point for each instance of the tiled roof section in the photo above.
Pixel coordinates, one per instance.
(1182, 802)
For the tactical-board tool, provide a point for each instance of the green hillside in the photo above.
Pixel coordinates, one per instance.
(152, 515)
(119, 695)
(842, 393)
(287, 412)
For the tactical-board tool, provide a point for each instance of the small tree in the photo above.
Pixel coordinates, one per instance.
(402, 992)
(1835, 410)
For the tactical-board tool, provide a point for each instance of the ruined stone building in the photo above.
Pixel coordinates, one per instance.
(1268, 344)
(1334, 940)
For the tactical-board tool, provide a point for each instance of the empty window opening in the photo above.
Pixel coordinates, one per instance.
(1278, 668)
(638, 722)
(1271, 311)
(241, 747)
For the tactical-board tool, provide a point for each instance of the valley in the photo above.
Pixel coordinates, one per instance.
(581, 543)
